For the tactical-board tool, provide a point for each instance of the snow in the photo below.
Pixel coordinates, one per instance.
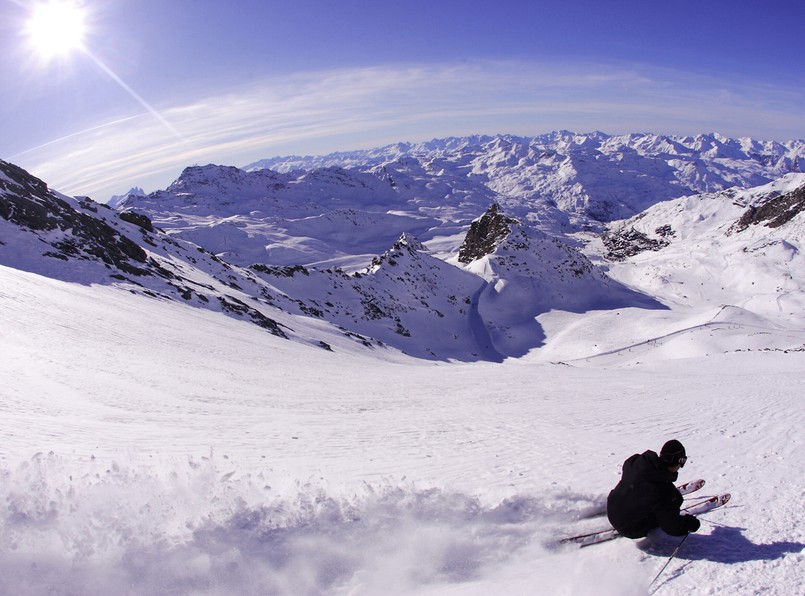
(152, 447)
(708, 263)
(291, 213)
(462, 417)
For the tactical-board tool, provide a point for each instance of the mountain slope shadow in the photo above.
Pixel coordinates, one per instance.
(530, 273)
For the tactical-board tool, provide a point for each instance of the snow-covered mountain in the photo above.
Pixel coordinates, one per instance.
(728, 266)
(595, 175)
(185, 411)
(116, 200)
(749, 242)
(343, 209)
(331, 215)
(428, 262)
(406, 298)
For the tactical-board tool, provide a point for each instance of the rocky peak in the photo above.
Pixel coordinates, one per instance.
(407, 244)
(15, 180)
(119, 200)
(485, 234)
(410, 241)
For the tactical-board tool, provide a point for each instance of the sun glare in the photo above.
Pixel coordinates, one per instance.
(56, 27)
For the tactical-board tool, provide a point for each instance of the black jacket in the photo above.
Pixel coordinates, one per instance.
(645, 498)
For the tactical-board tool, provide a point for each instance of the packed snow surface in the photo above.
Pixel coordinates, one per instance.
(149, 447)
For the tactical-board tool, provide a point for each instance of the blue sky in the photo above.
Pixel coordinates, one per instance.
(160, 85)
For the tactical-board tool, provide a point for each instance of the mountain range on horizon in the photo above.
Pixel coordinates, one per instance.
(480, 248)
(594, 174)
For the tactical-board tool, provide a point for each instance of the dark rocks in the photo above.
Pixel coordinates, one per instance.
(233, 305)
(626, 243)
(138, 220)
(27, 202)
(485, 234)
(280, 271)
(774, 213)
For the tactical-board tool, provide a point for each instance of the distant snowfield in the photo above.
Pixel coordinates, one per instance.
(148, 447)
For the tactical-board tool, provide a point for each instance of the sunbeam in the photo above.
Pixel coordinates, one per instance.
(136, 96)
(56, 28)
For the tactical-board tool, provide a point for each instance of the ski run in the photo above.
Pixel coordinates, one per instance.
(153, 448)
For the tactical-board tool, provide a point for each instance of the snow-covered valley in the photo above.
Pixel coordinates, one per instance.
(400, 379)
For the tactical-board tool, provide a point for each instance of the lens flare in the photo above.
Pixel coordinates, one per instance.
(56, 28)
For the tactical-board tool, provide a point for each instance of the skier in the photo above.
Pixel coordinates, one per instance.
(646, 498)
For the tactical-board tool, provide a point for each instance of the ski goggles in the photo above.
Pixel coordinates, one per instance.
(682, 461)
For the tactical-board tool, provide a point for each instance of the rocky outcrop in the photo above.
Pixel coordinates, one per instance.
(138, 219)
(773, 213)
(27, 202)
(628, 242)
(485, 234)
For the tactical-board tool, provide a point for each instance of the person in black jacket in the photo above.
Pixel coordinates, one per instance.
(646, 498)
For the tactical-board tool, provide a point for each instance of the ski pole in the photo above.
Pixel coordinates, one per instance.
(673, 554)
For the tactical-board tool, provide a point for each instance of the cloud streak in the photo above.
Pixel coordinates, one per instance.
(346, 109)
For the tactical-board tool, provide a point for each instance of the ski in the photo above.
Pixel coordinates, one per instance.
(697, 508)
(592, 538)
(690, 487)
(708, 504)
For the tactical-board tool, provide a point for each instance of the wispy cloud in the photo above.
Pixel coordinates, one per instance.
(365, 107)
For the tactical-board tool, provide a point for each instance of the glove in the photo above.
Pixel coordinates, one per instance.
(690, 523)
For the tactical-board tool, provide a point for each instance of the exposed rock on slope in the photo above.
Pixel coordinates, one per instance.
(627, 242)
(775, 212)
(67, 232)
(485, 235)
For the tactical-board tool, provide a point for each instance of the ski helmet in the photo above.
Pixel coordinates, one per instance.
(673, 453)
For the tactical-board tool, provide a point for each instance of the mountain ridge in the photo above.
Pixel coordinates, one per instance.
(562, 182)
(425, 258)
(687, 165)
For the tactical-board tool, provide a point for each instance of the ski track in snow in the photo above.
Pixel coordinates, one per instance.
(151, 448)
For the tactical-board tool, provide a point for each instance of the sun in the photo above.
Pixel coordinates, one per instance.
(56, 27)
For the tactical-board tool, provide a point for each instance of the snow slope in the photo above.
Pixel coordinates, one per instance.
(727, 285)
(173, 423)
(753, 265)
(149, 447)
